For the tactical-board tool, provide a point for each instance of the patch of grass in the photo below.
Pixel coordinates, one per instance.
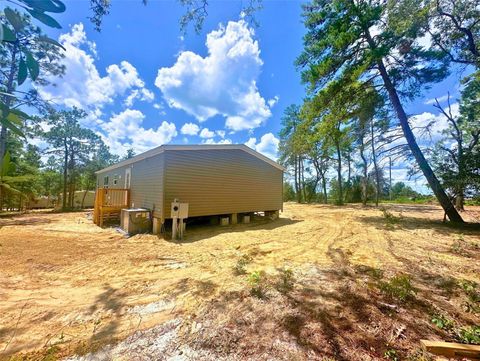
(391, 354)
(390, 219)
(286, 280)
(470, 335)
(239, 268)
(443, 322)
(375, 273)
(419, 355)
(473, 295)
(258, 284)
(399, 288)
(461, 246)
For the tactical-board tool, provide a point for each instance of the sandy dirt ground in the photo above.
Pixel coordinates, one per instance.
(69, 288)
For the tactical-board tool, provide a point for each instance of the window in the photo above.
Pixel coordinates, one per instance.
(105, 182)
(115, 179)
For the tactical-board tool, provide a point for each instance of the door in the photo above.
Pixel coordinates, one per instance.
(128, 177)
(128, 174)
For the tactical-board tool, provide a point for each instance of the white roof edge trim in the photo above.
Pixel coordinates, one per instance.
(155, 151)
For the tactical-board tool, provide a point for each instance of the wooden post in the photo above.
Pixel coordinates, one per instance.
(174, 228)
(157, 225)
(234, 218)
(451, 349)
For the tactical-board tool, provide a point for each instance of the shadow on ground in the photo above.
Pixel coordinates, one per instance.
(203, 230)
(338, 313)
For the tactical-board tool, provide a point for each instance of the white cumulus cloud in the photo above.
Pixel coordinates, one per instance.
(222, 83)
(221, 141)
(441, 99)
(124, 131)
(206, 133)
(82, 85)
(190, 129)
(268, 145)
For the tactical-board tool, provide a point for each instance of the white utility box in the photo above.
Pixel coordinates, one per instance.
(179, 210)
(135, 220)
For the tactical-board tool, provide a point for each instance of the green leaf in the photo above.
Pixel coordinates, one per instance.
(14, 118)
(12, 127)
(22, 115)
(22, 72)
(14, 19)
(4, 109)
(44, 18)
(51, 6)
(46, 39)
(32, 65)
(6, 34)
(8, 188)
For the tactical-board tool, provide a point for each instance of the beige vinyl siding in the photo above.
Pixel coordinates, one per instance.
(146, 182)
(221, 182)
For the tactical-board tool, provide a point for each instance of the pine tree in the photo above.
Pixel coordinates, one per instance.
(373, 42)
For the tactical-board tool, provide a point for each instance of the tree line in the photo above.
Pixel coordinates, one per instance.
(363, 62)
(70, 153)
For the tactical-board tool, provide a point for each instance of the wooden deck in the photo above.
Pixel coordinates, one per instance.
(109, 203)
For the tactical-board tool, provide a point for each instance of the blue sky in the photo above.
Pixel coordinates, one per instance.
(144, 83)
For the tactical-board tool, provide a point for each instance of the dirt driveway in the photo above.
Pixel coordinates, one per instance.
(67, 286)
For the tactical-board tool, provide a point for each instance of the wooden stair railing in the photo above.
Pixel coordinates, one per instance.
(109, 202)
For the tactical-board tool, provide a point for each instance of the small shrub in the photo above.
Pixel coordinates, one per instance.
(391, 354)
(442, 322)
(390, 218)
(375, 273)
(286, 280)
(470, 335)
(258, 283)
(473, 295)
(398, 287)
(242, 262)
(458, 247)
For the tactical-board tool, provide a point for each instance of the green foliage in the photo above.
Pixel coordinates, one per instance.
(472, 292)
(288, 192)
(443, 323)
(258, 284)
(243, 261)
(469, 335)
(25, 52)
(398, 288)
(80, 152)
(456, 156)
(455, 29)
(391, 354)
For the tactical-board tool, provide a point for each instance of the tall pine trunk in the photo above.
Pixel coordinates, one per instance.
(432, 180)
(365, 172)
(339, 173)
(65, 179)
(7, 100)
(460, 191)
(302, 174)
(375, 165)
(324, 185)
(427, 171)
(297, 189)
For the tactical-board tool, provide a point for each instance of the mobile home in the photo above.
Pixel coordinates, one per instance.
(212, 179)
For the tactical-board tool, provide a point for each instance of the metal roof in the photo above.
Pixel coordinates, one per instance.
(173, 147)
